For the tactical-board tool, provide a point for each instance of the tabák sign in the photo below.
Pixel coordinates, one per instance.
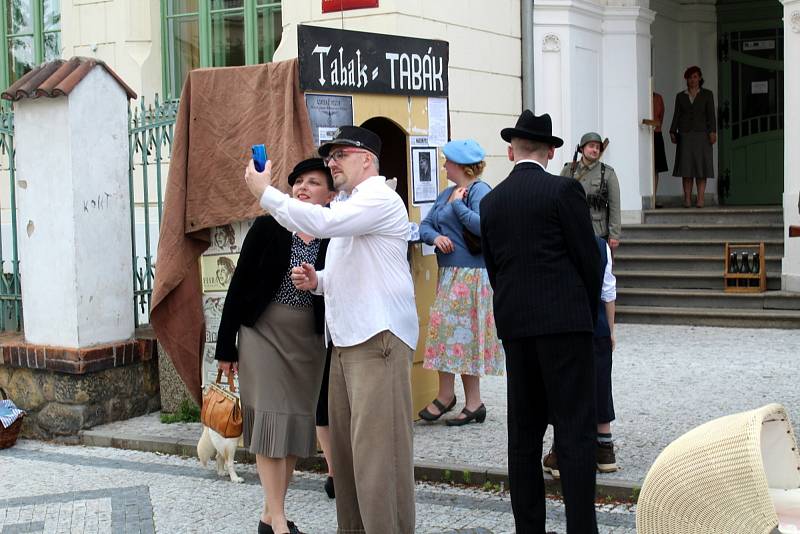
(343, 61)
(329, 6)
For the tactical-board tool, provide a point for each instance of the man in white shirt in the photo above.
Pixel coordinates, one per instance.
(371, 317)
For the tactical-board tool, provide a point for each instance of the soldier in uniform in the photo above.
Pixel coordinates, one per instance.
(601, 186)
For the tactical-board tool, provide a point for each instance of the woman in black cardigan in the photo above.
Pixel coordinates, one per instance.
(280, 354)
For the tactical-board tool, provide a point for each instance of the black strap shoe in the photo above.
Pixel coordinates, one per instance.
(428, 416)
(479, 416)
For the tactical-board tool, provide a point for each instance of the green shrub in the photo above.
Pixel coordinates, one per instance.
(188, 412)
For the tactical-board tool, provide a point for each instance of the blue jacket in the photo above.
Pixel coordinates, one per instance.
(449, 219)
(602, 329)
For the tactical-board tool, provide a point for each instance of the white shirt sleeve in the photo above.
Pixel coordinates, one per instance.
(320, 289)
(609, 291)
(361, 214)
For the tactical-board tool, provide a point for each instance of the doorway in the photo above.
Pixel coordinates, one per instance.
(751, 102)
(394, 152)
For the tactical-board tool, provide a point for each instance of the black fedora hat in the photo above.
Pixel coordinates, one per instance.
(311, 164)
(529, 126)
(353, 136)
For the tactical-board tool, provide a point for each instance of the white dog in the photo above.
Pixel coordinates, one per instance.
(225, 448)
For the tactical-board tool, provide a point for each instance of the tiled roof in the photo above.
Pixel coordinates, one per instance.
(58, 78)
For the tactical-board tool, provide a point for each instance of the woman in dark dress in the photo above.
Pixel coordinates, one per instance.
(694, 130)
(280, 354)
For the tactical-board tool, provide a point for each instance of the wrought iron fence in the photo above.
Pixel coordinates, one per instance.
(10, 293)
(151, 129)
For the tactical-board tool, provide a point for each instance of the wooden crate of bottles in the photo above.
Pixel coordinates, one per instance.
(745, 268)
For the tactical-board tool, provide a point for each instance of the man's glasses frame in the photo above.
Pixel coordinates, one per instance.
(339, 154)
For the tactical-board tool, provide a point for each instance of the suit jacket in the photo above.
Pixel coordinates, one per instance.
(263, 262)
(541, 256)
(697, 116)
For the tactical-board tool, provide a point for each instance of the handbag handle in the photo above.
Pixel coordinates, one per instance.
(231, 385)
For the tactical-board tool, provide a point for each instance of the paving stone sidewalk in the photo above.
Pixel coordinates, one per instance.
(667, 380)
(55, 489)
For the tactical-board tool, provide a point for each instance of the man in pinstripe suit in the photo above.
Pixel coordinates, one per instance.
(544, 266)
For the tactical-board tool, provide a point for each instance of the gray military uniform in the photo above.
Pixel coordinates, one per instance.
(607, 226)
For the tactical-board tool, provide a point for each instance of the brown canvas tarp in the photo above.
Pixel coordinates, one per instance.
(223, 111)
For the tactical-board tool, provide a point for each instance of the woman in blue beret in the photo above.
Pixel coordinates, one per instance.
(461, 336)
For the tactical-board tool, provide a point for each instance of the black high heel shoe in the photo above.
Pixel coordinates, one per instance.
(428, 416)
(329, 489)
(479, 416)
(264, 528)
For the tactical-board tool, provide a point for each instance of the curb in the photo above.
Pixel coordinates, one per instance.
(614, 489)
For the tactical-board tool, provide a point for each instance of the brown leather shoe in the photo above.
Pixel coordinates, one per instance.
(550, 464)
(606, 459)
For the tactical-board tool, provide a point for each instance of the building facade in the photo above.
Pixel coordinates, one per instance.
(596, 64)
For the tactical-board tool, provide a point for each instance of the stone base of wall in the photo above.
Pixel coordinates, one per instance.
(81, 393)
(173, 390)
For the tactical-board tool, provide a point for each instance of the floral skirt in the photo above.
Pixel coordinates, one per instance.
(462, 338)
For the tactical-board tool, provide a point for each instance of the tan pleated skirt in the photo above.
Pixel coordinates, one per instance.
(281, 360)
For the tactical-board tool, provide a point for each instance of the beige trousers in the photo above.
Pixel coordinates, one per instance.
(369, 402)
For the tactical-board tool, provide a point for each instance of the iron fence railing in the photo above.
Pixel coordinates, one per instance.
(10, 292)
(151, 129)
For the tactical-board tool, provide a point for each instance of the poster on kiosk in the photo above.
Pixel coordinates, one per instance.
(397, 87)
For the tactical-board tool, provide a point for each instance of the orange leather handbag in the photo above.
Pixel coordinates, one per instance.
(221, 411)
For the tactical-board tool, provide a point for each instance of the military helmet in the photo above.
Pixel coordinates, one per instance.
(589, 137)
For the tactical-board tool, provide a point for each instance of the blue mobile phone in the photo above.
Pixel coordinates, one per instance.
(259, 157)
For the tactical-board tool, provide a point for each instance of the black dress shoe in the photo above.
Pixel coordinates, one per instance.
(293, 528)
(264, 528)
(329, 488)
(479, 416)
(428, 416)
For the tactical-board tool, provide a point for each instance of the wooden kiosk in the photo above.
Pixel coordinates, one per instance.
(397, 87)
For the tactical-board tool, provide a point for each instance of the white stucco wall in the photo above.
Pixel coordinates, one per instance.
(126, 34)
(45, 220)
(791, 140)
(485, 57)
(592, 65)
(74, 215)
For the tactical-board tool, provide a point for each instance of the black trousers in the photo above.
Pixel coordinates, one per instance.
(552, 378)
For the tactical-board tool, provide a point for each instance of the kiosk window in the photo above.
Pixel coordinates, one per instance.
(31, 35)
(216, 33)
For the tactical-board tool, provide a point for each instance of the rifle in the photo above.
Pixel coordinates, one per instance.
(574, 164)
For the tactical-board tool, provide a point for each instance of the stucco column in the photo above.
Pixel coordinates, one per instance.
(791, 140)
(74, 215)
(551, 74)
(626, 100)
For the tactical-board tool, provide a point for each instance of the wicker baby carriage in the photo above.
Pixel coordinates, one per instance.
(738, 474)
(8, 436)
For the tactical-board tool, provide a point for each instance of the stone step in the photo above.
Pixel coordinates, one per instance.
(681, 279)
(707, 298)
(708, 317)
(714, 215)
(701, 247)
(723, 232)
(714, 263)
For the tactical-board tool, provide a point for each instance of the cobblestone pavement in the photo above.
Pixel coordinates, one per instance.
(54, 489)
(667, 380)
